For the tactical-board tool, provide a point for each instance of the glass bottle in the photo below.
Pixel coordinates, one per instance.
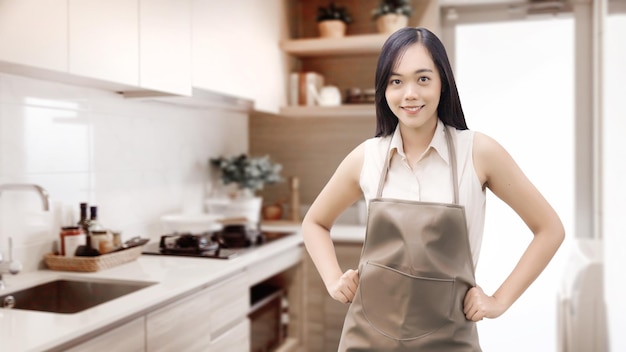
(101, 239)
(94, 224)
(87, 249)
(83, 222)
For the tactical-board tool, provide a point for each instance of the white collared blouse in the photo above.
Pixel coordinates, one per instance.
(429, 180)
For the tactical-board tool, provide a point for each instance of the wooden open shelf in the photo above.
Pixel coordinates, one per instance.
(348, 45)
(347, 110)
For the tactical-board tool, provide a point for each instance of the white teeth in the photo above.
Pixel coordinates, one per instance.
(412, 108)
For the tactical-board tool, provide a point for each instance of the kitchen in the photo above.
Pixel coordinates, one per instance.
(143, 156)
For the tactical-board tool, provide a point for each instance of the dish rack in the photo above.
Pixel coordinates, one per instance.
(92, 264)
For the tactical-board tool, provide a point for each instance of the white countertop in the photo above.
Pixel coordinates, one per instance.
(339, 232)
(348, 233)
(23, 330)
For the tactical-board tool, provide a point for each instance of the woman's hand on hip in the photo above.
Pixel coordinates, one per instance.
(344, 288)
(477, 305)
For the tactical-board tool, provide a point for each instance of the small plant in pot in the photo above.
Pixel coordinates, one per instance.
(391, 15)
(332, 20)
(249, 175)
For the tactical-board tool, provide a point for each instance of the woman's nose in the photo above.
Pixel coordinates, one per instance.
(411, 91)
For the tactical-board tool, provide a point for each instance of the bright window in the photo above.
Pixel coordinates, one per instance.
(516, 82)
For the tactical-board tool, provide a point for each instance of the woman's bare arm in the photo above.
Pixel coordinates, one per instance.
(498, 171)
(341, 191)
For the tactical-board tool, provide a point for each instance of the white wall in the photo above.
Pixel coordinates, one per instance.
(516, 84)
(135, 160)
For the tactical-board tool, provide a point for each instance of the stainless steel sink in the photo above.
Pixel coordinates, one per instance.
(68, 295)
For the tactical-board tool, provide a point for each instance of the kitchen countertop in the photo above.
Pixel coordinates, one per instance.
(339, 232)
(348, 233)
(174, 277)
(23, 330)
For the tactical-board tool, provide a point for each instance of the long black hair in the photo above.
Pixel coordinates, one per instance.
(449, 109)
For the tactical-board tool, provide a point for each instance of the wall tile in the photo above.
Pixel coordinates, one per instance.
(136, 160)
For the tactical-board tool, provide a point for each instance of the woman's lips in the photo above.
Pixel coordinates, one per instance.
(412, 108)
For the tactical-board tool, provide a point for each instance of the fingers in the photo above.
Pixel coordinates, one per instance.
(345, 288)
(349, 283)
(475, 304)
(352, 281)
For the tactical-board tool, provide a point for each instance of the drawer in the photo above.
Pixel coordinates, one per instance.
(236, 339)
(229, 304)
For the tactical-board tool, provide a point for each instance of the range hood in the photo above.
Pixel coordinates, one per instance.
(199, 99)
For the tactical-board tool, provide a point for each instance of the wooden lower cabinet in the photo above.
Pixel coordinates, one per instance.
(180, 326)
(198, 321)
(236, 339)
(129, 337)
(212, 319)
(323, 315)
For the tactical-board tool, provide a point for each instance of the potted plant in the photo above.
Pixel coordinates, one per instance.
(332, 20)
(248, 175)
(391, 15)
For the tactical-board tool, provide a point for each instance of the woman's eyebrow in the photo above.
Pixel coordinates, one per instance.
(422, 70)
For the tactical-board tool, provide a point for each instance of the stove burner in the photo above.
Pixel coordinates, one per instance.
(224, 244)
(187, 242)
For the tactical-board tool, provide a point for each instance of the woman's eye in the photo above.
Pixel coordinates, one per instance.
(423, 79)
(394, 82)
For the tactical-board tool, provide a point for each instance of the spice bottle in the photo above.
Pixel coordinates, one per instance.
(71, 238)
(102, 240)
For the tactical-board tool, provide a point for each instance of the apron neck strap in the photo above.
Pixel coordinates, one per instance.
(451, 157)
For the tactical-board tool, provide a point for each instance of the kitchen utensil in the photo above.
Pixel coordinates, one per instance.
(133, 242)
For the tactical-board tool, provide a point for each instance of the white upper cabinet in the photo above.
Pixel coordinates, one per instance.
(165, 45)
(120, 45)
(104, 40)
(235, 50)
(34, 33)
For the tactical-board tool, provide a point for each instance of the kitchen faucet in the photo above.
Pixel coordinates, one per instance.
(13, 266)
(45, 198)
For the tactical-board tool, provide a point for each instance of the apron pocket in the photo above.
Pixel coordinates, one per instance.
(402, 306)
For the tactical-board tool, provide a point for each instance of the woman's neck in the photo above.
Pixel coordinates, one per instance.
(416, 140)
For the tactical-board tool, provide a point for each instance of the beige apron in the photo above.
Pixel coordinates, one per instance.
(415, 269)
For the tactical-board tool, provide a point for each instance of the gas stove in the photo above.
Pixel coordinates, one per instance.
(231, 241)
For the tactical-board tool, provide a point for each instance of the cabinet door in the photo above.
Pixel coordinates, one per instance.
(235, 50)
(104, 40)
(34, 33)
(129, 337)
(192, 323)
(181, 326)
(237, 339)
(165, 49)
(230, 303)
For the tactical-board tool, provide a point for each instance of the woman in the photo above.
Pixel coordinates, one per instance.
(424, 177)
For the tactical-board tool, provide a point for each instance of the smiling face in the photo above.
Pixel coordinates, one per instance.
(414, 89)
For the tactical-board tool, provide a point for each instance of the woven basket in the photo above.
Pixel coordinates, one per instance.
(91, 264)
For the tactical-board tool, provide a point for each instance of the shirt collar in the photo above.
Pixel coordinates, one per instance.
(438, 143)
